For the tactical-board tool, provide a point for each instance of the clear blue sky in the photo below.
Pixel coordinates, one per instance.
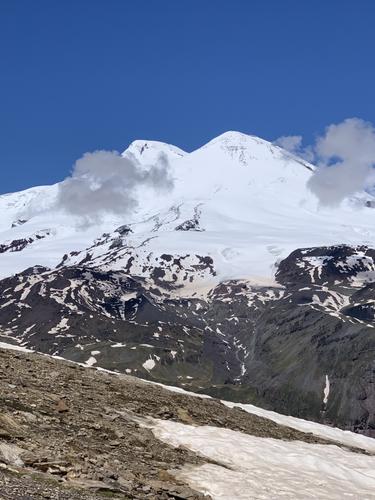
(80, 75)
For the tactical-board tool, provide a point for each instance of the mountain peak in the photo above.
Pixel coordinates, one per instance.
(149, 151)
(235, 138)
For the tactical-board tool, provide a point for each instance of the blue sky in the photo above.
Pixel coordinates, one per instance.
(81, 75)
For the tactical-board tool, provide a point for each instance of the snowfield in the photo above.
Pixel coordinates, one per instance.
(269, 469)
(248, 200)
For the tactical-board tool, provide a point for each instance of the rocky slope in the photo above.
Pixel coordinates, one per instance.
(303, 346)
(73, 432)
(70, 432)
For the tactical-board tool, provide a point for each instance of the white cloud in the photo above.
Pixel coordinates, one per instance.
(345, 156)
(104, 181)
(293, 144)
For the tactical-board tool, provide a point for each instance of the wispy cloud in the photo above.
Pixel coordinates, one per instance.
(294, 144)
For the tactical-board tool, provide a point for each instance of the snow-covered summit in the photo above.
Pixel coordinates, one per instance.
(149, 151)
(236, 142)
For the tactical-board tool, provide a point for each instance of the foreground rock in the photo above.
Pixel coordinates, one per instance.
(69, 432)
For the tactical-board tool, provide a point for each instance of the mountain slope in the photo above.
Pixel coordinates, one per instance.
(234, 283)
(278, 346)
(70, 432)
(239, 199)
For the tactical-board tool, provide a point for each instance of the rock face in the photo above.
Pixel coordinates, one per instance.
(303, 346)
(340, 264)
(20, 244)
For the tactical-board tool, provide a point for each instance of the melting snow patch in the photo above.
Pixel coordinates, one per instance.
(12, 347)
(326, 391)
(149, 364)
(8, 303)
(266, 468)
(61, 326)
(29, 328)
(91, 361)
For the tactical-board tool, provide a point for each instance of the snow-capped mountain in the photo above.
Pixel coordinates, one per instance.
(239, 199)
(234, 282)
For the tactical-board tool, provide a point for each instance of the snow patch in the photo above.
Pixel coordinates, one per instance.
(91, 361)
(149, 364)
(326, 391)
(266, 468)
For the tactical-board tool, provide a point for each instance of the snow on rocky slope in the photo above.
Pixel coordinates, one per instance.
(234, 283)
(71, 432)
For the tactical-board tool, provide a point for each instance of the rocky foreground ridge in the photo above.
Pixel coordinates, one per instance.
(71, 432)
